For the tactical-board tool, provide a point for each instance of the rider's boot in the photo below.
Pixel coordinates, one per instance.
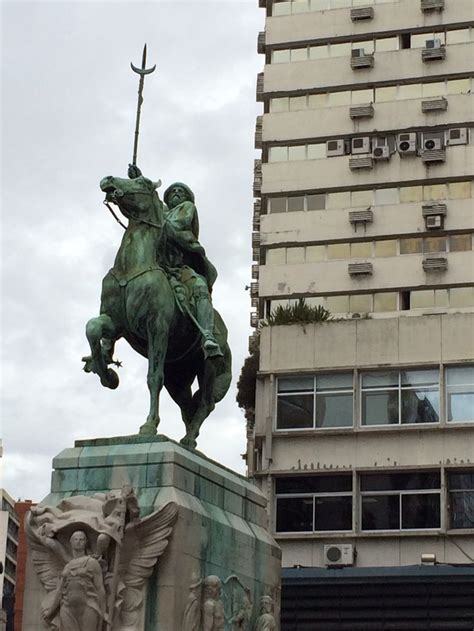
(205, 318)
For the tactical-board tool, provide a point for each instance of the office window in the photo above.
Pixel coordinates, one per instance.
(299, 54)
(297, 153)
(338, 200)
(434, 89)
(319, 52)
(410, 91)
(315, 101)
(339, 98)
(411, 246)
(277, 205)
(360, 303)
(410, 194)
(337, 304)
(400, 501)
(382, 95)
(281, 8)
(459, 190)
(459, 86)
(279, 105)
(400, 397)
(338, 251)
(316, 202)
(434, 192)
(362, 198)
(461, 499)
(460, 36)
(461, 297)
(280, 56)
(294, 255)
(385, 301)
(386, 196)
(340, 50)
(429, 298)
(299, 6)
(359, 97)
(278, 154)
(275, 256)
(316, 152)
(362, 249)
(297, 103)
(386, 248)
(315, 253)
(434, 244)
(460, 393)
(295, 204)
(460, 242)
(317, 503)
(387, 43)
(322, 401)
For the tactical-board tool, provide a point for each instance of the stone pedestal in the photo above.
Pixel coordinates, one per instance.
(220, 529)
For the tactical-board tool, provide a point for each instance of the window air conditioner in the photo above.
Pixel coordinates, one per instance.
(434, 222)
(433, 43)
(360, 145)
(406, 143)
(339, 554)
(381, 153)
(357, 52)
(432, 144)
(335, 148)
(457, 136)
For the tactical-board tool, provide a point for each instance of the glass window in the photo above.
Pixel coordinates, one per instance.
(360, 303)
(386, 301)
(294, 255)
(460, 393)
(278, 154)
(313, 484)
(339, 98)
(386, 43)
(316, 152)
(315, 101)
(340, 4)
(281, 8)
(461, 297)
(319, 52)
(410, 91)
(295, 204)
(299, 54)
(419, 39)
(411, 194)
(316, 202)
(441, 298)
(295, 411)
(338, 200)
(319, 5)
(411, 246)
(315, 301)
(362, 198)
(334, 400)
(340, 50)
(362, 249)
(386, 248)
(297, 153)
(459, 190)
(459, 86)
(461, 499)
(279, 105)
(359, 97)
(460, 36)
(277, 205)
(294, 514)
(280, 56)
(275, 256)
(338, 251)
(332, 513)
(434, 192)
(382, 95)
(299, 6)
(315, 253)
(434, 244)
(386, 196)
(368, 45)
(460, 242)
(424, 298)
(400, 501)
(337, 304)
(297, 103)
(390, 398)
(434, 89)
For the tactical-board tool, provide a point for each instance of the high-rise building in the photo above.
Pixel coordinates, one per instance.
(9, 527)
(364, 426)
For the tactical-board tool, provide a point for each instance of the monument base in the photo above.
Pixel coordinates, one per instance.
(220, 530)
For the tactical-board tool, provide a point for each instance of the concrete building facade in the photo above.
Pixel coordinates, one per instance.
(9, 529)
(364, 426)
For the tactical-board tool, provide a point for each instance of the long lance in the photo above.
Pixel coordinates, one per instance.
(142, 72)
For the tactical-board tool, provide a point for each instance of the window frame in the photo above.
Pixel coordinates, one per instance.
(446, 368)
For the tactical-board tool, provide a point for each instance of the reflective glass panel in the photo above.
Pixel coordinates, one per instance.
(315, 253)
(333, 513)
(459, 86)
(338, 251)
(338, 200)
(334, 410)
(299, 54)
(296, 384)
(387, 43)
(387, 301)
(278, 154)
(361, 250)
(461, 297)
(460, 393)
(297, 153)
(340, 50)
(276, 256)
(434, 89)
(295, 411)
(359, 97)
(305, 484)
(316, 152)
(360, 303)
(423, 298)
(297, 103)
(380, 407)
(362, 198)
(421, 510)
(294, 255)
(386, 196)
(459, 190)
(294, 514)
(277, 205)
(383, 95)
(339, 98)
(411, 246)
(386, 248)
(380, 512)
(334, 381)
(316, 101)
(281, 8)
(316, 202)
(461, 509)
(420, 406)
(434, 192)
(300, 6)
(411, 194)
(460, 242)
(319, 52)
(337, 304)
(280, 56)
(279, 105)
(441, 298)
(459, 36)
(295, 204)
(434, 244)
(410, 91)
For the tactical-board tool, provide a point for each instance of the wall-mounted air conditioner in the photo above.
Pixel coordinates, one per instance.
(406, 144)
(433, 43)
(357, 52)
(457, 136)
(432, 143)
(380, 149)
(339, 554)
(335, 148)
(434, 222)
(360, 145)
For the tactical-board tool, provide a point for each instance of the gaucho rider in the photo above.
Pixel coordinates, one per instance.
(187, 256)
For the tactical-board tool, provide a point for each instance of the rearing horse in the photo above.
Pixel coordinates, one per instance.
(138, 304)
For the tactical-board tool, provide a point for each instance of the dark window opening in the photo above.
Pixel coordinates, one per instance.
(405, 300)
(405, 41)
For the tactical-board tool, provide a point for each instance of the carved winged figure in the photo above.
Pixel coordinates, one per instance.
(95, 577)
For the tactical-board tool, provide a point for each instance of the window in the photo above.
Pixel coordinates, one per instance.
(360, 303)
(297, 103)
(361, 249)
(316, 202)
(400, 501)
(434, 244)
(280, 56)
(460, 242)
(338, 251)
(297, 153)
(295, 204)
(385, 301)
(315, 253)
(277, 205)
(279, 105)
(411, 246)
(460, 393)
(275, 256)
(278, 154)
(318, 503)
(294, 255)
(321, 401)
(337, 304)
(394, 397)
(461, 499)
(386, 248)
(386, 196)
(461, 297)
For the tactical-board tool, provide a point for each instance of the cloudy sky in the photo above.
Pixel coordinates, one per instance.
(68, 114)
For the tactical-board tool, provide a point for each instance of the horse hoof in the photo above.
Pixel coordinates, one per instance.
(147, 429)
(188, 442)
(110, 379)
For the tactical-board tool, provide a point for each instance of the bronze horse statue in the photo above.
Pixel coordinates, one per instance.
(139, 303)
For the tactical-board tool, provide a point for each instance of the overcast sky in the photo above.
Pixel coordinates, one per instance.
(68, 115)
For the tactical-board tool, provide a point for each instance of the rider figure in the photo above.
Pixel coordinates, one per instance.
(185, 253)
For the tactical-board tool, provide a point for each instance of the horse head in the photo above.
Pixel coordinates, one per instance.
(136, 198)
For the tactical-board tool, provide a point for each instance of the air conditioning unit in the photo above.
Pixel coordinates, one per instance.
(457, 136)
(433, 43)
(432, 143)
(339, 554)
(434, 222)
(381, 153)
(360, 145)
(357, 52)
(406, 144)
(335, 148)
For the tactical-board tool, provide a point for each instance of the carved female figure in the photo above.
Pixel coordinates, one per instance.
(80, 598)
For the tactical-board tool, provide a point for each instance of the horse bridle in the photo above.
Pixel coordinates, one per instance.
(129, 215)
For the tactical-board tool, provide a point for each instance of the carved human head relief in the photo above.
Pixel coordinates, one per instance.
(78, 542)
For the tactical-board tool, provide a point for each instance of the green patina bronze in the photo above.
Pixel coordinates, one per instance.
(158, 297)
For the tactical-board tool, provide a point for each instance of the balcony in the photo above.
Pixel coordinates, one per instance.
(258, 132)
(261, 43)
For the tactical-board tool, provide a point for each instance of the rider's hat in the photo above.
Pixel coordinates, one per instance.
(186, 188)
